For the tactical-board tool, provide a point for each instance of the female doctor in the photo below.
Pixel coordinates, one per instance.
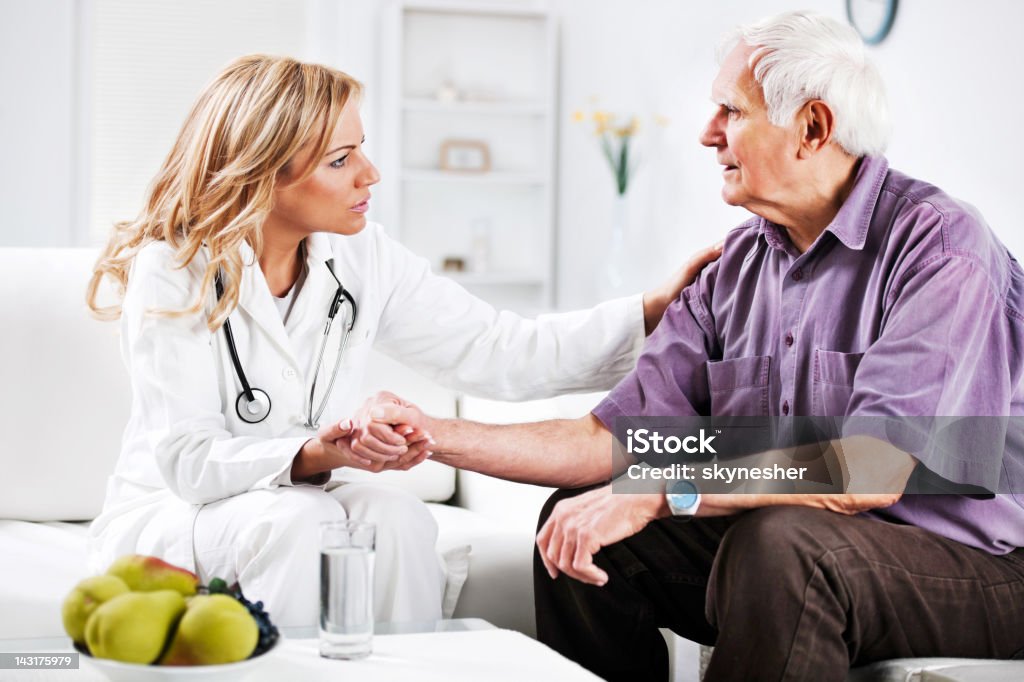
(253, 289)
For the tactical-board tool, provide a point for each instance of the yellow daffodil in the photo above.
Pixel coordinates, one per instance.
(615, 134)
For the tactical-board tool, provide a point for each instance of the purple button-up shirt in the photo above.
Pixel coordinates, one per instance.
(906, 305)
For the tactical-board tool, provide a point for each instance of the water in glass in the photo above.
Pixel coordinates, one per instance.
(346, 601)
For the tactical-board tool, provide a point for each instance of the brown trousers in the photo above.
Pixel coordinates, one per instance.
(783, 593)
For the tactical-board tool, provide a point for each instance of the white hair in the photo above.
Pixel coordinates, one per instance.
(801, 56)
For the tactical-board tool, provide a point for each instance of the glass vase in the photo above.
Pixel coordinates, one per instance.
(613, 276)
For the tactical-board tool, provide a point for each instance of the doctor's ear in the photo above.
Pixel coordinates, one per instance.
(817, 126)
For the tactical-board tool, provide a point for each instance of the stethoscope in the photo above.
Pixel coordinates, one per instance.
(253, 404)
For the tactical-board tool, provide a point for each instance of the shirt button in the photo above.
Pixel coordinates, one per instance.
(288, 373)
(798, 274)
(785, 407)
(789, 339)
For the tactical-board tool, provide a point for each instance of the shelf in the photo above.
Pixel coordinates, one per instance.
(460, 7)
(494, 65)
(473, 178)
(496, 278)
(494, 108)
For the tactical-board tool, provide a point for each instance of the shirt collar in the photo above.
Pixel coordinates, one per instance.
(318, 248)
(318, 251)
(850, 226)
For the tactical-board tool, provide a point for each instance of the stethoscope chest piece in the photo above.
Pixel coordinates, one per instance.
(253, 404)
(253, 411)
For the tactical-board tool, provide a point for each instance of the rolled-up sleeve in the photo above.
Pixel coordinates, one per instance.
(670, 377)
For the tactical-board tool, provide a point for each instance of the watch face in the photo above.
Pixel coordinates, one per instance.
(683, 494)
(871, 18)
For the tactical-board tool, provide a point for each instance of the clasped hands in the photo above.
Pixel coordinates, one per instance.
(362, 442)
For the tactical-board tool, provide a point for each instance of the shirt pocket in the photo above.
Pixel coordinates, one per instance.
(833, 382)
(739, 387)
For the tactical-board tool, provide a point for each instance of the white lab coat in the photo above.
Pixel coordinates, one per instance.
(185, 446)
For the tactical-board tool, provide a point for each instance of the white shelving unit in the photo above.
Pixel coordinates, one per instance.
(483, 72)
(490, 178)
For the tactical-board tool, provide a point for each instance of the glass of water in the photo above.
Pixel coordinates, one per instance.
(346, 589)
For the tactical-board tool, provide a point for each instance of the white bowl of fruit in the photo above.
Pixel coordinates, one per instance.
(146, 620)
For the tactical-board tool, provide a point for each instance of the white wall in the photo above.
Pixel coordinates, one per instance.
(951, 69)
(79, 152)
(37, 118)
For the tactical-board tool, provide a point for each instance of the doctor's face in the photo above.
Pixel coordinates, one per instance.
(758, 157)
(336, 196)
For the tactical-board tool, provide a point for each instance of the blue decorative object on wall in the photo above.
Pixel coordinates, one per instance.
(873, 19)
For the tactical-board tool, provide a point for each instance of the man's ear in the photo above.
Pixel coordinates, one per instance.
(817, 125)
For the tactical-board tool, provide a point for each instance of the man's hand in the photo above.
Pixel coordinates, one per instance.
(580, 526)
(658, 299)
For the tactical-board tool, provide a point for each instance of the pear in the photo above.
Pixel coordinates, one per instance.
(134, 627)
(83, 600)
(148, 573)
(215, 629)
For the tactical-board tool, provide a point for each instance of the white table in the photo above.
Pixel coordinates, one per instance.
(447, 651)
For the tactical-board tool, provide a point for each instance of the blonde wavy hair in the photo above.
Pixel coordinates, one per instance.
(216, 186)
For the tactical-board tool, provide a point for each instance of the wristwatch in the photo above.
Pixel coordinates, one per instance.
(683, 498)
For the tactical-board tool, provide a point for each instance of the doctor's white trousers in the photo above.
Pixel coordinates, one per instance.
(268, 540)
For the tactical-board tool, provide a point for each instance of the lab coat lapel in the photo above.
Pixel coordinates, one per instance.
(309, 315)
(256, 300)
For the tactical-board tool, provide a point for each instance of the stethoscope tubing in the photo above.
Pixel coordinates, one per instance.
(249, 405)
(246, 389)
(313, 420)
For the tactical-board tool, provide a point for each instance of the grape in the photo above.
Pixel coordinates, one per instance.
(268, 631)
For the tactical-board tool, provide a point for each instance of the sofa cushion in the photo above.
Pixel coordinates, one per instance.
(66, 396)
(977, 671)
(938, 670)
(499, 587)
(42, 562)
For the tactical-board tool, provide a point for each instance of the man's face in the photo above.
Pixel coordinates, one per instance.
(759, 158)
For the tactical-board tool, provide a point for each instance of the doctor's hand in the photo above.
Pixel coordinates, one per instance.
(407, 444)
(657, 300)
(332, 449)
(580, 526)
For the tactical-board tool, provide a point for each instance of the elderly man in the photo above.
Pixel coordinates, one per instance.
(854, 290)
